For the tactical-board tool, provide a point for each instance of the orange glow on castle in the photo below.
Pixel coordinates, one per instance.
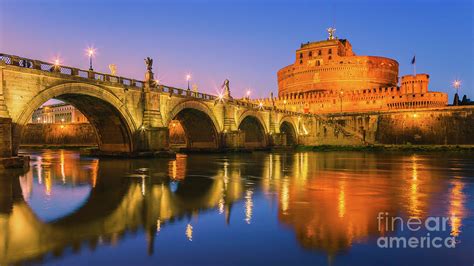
(328, 77)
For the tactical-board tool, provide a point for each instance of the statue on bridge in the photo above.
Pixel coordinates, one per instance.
(226, 89)
(149, 67)
(149, 63)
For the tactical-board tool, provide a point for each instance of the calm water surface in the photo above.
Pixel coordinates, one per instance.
(248, 209)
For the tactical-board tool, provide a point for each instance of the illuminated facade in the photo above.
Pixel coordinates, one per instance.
(328, 77)
(58, 113)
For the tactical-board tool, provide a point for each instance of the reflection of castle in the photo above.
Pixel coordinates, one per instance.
(330, 210)
(328, 77)
(58, 113)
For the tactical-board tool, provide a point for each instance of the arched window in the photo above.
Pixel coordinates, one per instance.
(310, 54)
(301, 55)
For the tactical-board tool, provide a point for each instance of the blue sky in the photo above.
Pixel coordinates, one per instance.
(244, 41)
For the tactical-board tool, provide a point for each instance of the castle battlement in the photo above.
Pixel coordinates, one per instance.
(328, 77)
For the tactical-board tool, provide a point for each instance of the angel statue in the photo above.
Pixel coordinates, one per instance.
(226, 89)
(149, 63)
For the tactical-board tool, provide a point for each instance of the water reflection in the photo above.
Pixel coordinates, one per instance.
(329, 200)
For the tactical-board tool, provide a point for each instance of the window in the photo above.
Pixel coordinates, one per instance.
(301, 61)
(318, 63)
(301, 55)
(310, 53)
(319, 52)
(330, 58)
(330, 51)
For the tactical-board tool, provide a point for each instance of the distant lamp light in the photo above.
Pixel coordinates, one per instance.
(62, 126)
(56, 62)
(415, 115)
(248, 93)
(188, 78)
(220, 96)
(457, 84)
(157, 81)
(90, 53)
(260, 105)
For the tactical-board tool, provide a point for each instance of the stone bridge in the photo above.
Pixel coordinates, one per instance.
(131, 116)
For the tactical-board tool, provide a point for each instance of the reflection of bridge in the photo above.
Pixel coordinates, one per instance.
(328, 210)
(116, 205)
(131, 115)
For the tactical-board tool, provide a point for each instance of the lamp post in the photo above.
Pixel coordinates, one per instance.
(457, 85)
(188, 78)
(90, 53)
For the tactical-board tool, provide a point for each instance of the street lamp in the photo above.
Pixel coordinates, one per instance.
(457, 85)
(188, 78)
(248, 94)
(90, 53)
(56, 64)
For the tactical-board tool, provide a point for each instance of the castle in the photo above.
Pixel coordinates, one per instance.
(328, 77)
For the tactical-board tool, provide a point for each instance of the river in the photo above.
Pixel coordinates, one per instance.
(308, 208)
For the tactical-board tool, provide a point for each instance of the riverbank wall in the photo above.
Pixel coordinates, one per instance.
(451, 125)
(77, 134)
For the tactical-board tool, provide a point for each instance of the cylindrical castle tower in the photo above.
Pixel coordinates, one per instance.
(415, 84)
(331, 65)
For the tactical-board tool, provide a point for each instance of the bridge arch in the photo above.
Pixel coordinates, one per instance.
(113, 124)
(288, 127)
(201, 128)
(254, 128)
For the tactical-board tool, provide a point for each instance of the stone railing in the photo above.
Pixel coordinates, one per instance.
(128, 82)
(68, 71)
(186, 93)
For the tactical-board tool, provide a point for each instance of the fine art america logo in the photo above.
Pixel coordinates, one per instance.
(433, 225)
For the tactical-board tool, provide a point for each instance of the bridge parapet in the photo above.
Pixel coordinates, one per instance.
(70, 71)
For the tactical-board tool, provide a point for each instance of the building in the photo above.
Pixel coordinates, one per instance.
(328, 77)
(58, 113)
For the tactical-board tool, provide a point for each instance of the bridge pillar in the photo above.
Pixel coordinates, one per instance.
(6, 149)
(3, 106)
(153, 139)
(233, 139)
(277, 139)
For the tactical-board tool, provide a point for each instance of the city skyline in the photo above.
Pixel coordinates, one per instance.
(213, 40)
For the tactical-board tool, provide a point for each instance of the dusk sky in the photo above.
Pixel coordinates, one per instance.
(244, 41)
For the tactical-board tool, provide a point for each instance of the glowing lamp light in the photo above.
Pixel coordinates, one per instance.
(90, 52)
(188, 77)
(220, 96)
(457, 84)
(248, 93)
(56, 62)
